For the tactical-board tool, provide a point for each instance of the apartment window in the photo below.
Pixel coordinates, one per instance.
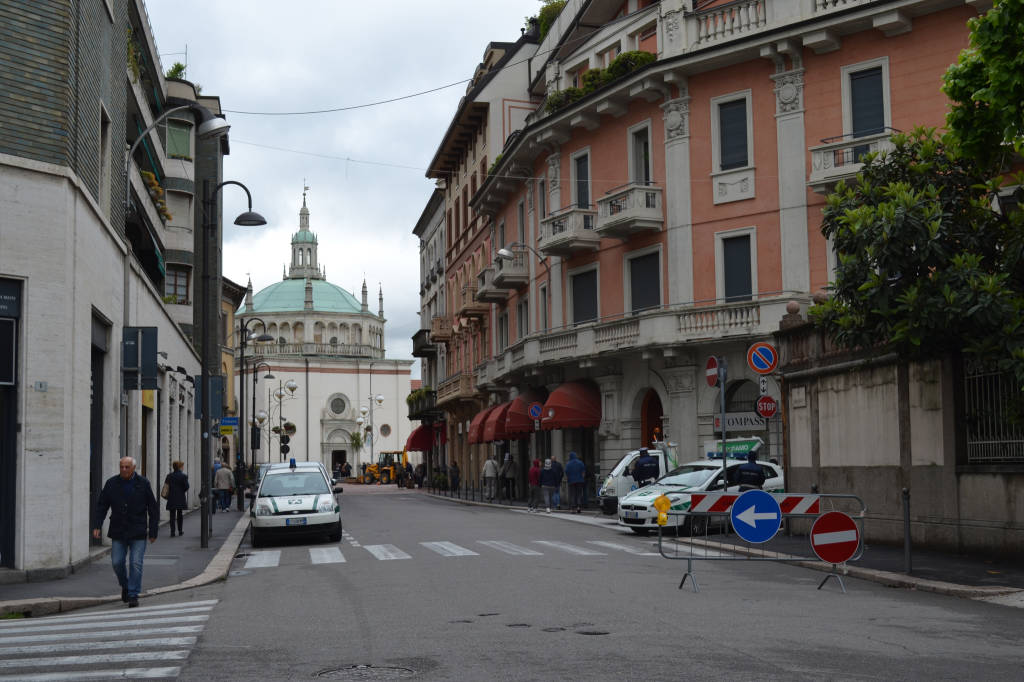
(456, 214)
(584, 296)
(179, 140)
(867, 109)
(542, 292)
(105, 161)
(502, 331)
(609, 55)
(501, 234)
(521, 222)
(522, 317)
(640, 155)
(581, 179)
(732, 134)
(176, 284)
(542, 199)
(737, 270)
(644, 281)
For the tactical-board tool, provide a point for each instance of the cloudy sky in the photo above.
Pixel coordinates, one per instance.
(364, 167)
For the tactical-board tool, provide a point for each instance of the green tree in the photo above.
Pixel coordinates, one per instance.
(177, 70)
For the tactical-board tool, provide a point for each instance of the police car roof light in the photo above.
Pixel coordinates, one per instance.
(291, 463)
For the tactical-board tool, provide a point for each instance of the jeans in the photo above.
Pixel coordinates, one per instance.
(550, 492)
(134, 550)
(223, 499)
(576, 495)
(556, 497)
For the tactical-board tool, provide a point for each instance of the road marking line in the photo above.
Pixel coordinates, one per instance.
(835, 537)
(120, 612)
(118, 615)
(133, 656)
(103, 634)
(622, 548)
(509, 548)
(268, 559)
(326, 555)
(571, 549)
(448, 549)
(128, 621)
(98, 646)
(123, 674)
(386, 552)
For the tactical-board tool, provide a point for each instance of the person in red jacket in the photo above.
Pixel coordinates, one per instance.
(533, 477)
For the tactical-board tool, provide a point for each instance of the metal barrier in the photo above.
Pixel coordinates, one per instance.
(719, 505)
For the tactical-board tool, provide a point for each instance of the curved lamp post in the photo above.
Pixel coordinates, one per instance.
(209, 326)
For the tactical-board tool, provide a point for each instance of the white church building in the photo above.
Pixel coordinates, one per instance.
(327, 365)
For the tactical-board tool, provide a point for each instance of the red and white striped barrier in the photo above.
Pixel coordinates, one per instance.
(791, 504)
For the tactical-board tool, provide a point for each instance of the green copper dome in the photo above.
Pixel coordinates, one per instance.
(290, 295)
(303, 237)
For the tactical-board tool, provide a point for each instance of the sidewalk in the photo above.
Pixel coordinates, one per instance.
(958, 575)
(170, 564)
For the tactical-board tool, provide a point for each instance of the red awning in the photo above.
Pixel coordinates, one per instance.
(421, 439)
(494, 425)
(440, 428)
(519, 422)
(573, 405)
(476, 427)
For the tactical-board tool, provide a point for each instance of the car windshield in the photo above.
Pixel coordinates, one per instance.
(294, 483)
(689, 475)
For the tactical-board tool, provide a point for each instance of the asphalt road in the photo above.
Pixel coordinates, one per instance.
(517, 596)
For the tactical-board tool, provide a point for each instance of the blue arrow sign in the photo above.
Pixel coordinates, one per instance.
(756, 516)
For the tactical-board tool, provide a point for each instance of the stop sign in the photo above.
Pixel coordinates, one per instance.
(711, 370)
(835, 537)
(766, 406)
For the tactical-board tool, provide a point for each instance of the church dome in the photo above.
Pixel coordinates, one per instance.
(289, 295)
(303, 237)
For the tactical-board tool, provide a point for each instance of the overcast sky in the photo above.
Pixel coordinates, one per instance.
(365, 167)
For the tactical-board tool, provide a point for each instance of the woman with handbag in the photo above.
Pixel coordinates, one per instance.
(175, 485)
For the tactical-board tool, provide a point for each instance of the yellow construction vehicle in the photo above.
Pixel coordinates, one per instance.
(386, 469)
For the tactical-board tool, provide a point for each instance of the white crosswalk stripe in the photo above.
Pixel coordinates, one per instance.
(142, 641)
(638, 551)
(326, 555)
(386, 552)
(509, 548)
(267, 559)
(571, 549)
(448, 549)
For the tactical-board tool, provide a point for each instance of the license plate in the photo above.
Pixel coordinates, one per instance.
(300, 521)
(632, 515)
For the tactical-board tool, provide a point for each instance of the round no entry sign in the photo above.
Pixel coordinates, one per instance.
(711, 370)
(835, 537)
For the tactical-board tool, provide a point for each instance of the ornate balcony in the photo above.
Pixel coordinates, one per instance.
(422, 346)
(486, 290)
(512, 274)
(461, 386)
(469, 306)
(840, 158)
(569, 231)
(422, 404)
(629, 210)
(440, 329)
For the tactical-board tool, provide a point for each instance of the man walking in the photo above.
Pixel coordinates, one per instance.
(575, 471)
(490, 474)
(224, 484)
(130, 500)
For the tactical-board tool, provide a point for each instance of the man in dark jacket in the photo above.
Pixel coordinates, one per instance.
(134, 515)
(646, 468)
(575, 471)
(750, 475)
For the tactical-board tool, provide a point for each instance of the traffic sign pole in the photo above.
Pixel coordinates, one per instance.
(723, 367)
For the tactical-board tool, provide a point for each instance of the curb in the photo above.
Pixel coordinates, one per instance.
(216, 570)
(887, 578)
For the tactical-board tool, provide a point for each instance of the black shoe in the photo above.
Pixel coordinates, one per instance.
(172, 533)
(124, 594)
(133, 602)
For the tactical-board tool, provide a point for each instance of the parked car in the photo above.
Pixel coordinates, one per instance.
(637, 512)
(619, 481)
(295, 499)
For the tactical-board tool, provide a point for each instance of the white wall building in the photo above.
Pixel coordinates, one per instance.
(332, 346)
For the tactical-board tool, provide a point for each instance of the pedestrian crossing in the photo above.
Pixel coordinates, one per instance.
(444, 548)
(147, 642)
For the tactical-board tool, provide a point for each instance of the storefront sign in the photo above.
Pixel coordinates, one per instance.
(740, 421)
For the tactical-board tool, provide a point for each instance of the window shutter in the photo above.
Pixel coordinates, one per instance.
(584, 297)
(582, 182)
(867, 108)
(732, 129)
(644, 282)
(736, 262)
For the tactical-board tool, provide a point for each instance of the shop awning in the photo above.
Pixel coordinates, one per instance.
(518, 422)
(421, 439)
(476, 427)
(441, 431)
(573, 405)
(494, 425)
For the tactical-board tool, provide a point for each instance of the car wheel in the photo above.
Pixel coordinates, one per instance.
(255, 536)
(336, 535)
(641, 531)
(696, 525)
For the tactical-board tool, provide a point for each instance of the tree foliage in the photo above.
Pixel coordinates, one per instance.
(177, 70)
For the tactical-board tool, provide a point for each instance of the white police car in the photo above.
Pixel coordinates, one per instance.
(297, 499)
(637, 512)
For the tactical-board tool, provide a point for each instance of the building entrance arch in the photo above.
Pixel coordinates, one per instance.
(651, 414)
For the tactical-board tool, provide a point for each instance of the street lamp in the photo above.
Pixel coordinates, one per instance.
(244, 335)
(210, 242)
(284, 390)
(367, 415)
(506, 254)
(257, 417)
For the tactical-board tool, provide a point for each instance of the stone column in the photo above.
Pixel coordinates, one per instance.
(680, 421)
(678, 210)
(792, 154)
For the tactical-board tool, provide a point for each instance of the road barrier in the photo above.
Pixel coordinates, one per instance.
(836, 535)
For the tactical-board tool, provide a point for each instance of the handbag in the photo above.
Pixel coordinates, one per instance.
(166, 490)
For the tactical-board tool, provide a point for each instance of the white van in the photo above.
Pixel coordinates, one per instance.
(620, 481)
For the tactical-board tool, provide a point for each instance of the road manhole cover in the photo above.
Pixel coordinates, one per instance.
(367, 672)
(239, 572)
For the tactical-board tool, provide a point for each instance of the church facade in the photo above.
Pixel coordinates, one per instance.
(323, 370)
